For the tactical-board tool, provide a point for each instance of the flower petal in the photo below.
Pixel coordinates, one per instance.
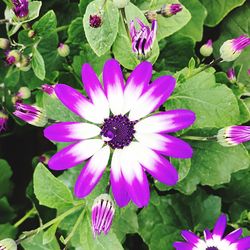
(113, 85)
(242, 244)
(233, 236)
(159, 167)
(136, 84)
(92, 172)
(220, 226)
(169, 121)
(117, 180)
(135, 178)
(78, 104)
(74, 154)
(94, 89)
(156, 94)
(165, 144)
(183, 246)
(71, 131)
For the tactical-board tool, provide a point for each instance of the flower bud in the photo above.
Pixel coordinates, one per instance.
(233, 135)
(24, 93)
(4, 43)
(121, 3)
(248, 72)
(49, 89)
(44, 158)
(63, 50)
(207, 49)
(8, 244)
(231, 75)
(21, 8)
(151, 15)
(95, 21)
(23, 64)
(231, 49)
(103, 211)
(169, 10)
(3, 121)
(12, 56)
(31, 34)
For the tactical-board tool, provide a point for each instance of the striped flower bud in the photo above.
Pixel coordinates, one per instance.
(49, 89)
(169, 10)
(63, 50)
(4, 43)
(207, 49)
(8, 244)
(12, 57)
(103, 211)
(231, 49)
(24, 93)
(3, 121)
(231, 75)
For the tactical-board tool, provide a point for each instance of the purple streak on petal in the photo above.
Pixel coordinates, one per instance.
(132, 29)
(154, 97)
(234, 236)
(242, 244)
(220, 226)
(92, 172)
(182, 246)
(169, 121)
(159, 167)
(117, 181)
(113, 85)
(74, 154)
(241, 42)
(71, 131)
(137, 83)
(190, 237)
(166, 145)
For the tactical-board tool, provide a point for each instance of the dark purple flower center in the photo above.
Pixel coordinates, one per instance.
(212, 248)
(95, 21)
(118, 131)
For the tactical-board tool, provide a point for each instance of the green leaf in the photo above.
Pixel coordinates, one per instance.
(194, 28)
(122, 47)
(7, 213)
(7, 231)
(101, 39)
(167, 25)
(57, 111)
(37, 64)
(76, 32)
(36, 242)
(213, 165)
(161, 222)
(6, 173)
(218, 9)
(50, 191)
(49, 235)
(214, 104)
(46, 25)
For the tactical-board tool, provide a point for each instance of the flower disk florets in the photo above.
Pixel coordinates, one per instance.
(118, 131)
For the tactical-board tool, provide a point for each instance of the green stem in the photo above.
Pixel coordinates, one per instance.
(199, 138)
(124, 19)
(80, 218)
(58, 29)
(50, 223)
(25, 217)
(4, 21)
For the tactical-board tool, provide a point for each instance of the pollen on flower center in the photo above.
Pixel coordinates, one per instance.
(212, 248)
(118, 131)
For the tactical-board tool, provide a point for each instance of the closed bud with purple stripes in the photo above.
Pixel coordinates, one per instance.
(103, 211)
(207, 48)
(169, 10)
(3, 120)
(143, 39)
(231, 75)
(233, 135)
(49, 89)
(8, 244)
(31, 114)
(231, 49)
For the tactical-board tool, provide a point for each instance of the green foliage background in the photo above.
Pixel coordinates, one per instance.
(215, 180)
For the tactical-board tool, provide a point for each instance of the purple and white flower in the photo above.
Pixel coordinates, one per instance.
(231, 49)
(115, 113)
(21, 8)
(31, 114)
(214, 240)
(231, 75)
(233, 135)
(3, 121)
(103, 211)
(143, 39)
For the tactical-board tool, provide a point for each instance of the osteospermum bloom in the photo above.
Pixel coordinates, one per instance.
(21, 8)
(31, 114)
(214, 240)
(117, 126)
(233, 135)
(143, 39)
(231, 75)
(231, 49)
(3, 121)
(103, 211)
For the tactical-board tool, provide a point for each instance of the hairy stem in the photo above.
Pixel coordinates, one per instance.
(30, 213)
